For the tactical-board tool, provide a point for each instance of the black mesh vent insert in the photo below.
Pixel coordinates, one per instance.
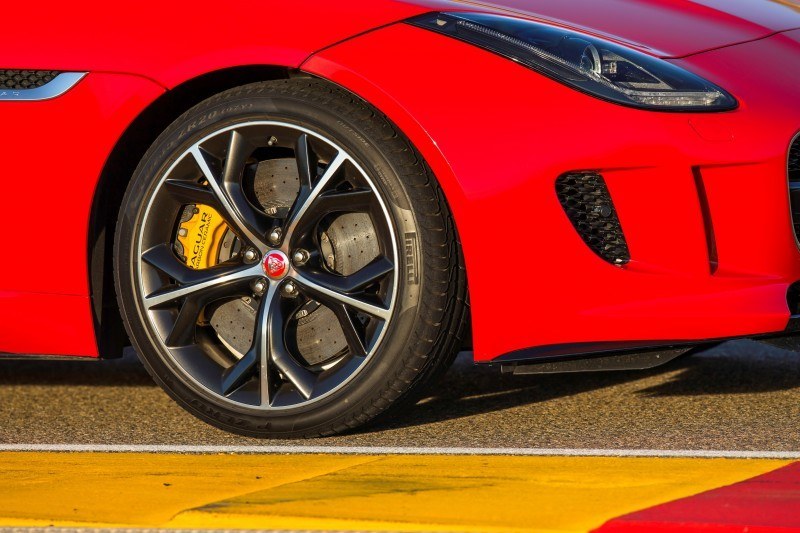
(794, 183)
(25, 79)
(588, 205)
(794, 161)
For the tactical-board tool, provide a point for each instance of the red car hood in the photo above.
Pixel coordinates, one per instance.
(667, 28)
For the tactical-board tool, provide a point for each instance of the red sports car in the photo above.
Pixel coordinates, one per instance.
(299, 212)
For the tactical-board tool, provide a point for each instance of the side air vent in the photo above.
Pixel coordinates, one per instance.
(25, 79)
(585, 198)
(793, 298)
(793, 170)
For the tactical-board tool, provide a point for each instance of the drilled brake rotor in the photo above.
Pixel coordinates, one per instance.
(347, 243)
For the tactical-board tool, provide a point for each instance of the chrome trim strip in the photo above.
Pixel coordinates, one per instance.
(53, 89)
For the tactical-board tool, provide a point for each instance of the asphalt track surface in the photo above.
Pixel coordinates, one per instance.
(742, 396)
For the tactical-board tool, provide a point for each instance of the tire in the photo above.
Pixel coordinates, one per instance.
(397, 318)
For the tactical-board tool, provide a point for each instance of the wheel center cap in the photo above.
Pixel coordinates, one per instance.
(275, 264)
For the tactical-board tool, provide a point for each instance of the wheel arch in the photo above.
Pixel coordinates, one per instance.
(117, 172)
(128, 151)
(320, 66)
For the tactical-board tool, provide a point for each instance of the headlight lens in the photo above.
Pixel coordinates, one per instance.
(595, 66)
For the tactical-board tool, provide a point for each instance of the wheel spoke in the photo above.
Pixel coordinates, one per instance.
(236, 376)
(306, 161)
(185, 192)
(322, 288)
(190, 281)
(163, 258)
(345, 286)
(352, 329)
(239, 149)
(271, 340)
(373, 272)
(299, 376)
(360, 200)
(269, 346)
(183, 330)
(257, 356)
(227, 189)
(356, 200)
(309, 195)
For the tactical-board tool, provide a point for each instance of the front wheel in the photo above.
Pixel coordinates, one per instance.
(286, 264)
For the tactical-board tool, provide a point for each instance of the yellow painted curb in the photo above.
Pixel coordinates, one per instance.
(348, 492)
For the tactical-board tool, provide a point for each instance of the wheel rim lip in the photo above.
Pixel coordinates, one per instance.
(152, 330)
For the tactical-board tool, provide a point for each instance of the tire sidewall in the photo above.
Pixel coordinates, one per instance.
(354, 136)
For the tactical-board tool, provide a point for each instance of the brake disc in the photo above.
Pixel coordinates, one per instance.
(348, 243)
(276, 183)
(234, 322)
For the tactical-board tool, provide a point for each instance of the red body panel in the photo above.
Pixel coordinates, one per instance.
(44, 301)
(171, 42)
(497, 143)
(50, 169)
(496, 134)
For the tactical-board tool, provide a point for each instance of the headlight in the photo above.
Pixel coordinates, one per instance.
(594, 66)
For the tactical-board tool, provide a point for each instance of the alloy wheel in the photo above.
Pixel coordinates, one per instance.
(284, 259)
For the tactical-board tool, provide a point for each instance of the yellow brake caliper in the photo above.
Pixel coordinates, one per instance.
(200, 235)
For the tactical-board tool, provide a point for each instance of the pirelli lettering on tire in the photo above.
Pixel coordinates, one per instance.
(412, 260)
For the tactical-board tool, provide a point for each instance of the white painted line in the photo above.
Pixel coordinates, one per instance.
(389, 450)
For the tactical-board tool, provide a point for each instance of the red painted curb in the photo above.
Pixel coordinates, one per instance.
(769, 503)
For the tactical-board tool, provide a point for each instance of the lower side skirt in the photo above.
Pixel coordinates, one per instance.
(626, 355)
(598, 363)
